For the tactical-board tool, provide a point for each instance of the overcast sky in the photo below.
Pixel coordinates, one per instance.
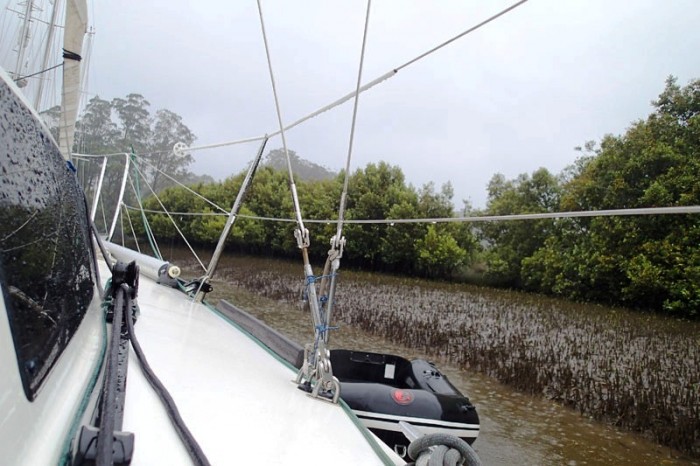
(517, 95)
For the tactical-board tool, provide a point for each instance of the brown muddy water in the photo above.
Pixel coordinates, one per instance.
(586, 358)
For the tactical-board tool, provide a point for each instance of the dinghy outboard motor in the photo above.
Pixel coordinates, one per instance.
(383, 389)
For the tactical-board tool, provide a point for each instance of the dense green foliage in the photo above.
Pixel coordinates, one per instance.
(376, 192)
(511, 242)
(650, 262)
(646, 262)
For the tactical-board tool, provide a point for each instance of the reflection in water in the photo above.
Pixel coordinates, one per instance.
(515, 428)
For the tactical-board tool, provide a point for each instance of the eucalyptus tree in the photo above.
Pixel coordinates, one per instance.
(134, 122)
(168, 129)
(96, 131)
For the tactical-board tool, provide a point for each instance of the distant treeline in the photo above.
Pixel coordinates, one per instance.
(645, 262)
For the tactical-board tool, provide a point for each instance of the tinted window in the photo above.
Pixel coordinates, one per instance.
(44, 243)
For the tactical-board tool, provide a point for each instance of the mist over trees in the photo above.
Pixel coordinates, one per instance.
(126, 125)
(303, 169)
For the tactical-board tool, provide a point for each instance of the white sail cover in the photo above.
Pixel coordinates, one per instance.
(75, 29)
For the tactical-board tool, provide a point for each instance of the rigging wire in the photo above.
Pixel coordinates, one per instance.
(39, 72)
(301, 233)
(131, 225)
(232, 143)
(343, 196)
(330, 270)
(121, 224)
(180, 184)
(146, 226)
(85, 67)
(370, 84)
(172, 220)
(459, 36)
(319, 359)
(292, 186)
(104, 215)
(303, 119)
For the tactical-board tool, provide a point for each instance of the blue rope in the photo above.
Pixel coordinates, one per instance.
(312, 279)
(321, 329)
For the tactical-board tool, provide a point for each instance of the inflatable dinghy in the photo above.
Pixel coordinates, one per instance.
(383, 389)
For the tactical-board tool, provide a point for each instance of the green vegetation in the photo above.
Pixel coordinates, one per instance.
(642, 262)
(645, 262)
(376, 192)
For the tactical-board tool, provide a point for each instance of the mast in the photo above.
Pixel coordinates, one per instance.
(75, 29)
(23, 39)
(47, 52)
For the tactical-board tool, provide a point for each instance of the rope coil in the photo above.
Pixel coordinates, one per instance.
(447, 450)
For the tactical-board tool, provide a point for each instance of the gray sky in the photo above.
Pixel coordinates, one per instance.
(517, 95)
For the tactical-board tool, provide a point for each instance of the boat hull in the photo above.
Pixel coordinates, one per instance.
(381, 389)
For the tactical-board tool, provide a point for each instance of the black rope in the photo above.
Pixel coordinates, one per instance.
(105, 438)
(193, 448)
(71, 55)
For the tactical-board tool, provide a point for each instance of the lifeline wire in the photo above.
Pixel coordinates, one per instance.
(674, 210)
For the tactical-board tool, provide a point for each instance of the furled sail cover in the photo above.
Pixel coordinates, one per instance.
(46, 278)
(75, 28)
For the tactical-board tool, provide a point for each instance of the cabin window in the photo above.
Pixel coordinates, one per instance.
(45, 249)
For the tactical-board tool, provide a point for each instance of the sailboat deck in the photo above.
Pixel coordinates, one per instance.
(237, 399)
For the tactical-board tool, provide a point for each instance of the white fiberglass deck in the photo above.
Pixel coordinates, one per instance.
(236, 398)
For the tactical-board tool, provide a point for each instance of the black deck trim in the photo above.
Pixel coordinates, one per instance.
(287, 349)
